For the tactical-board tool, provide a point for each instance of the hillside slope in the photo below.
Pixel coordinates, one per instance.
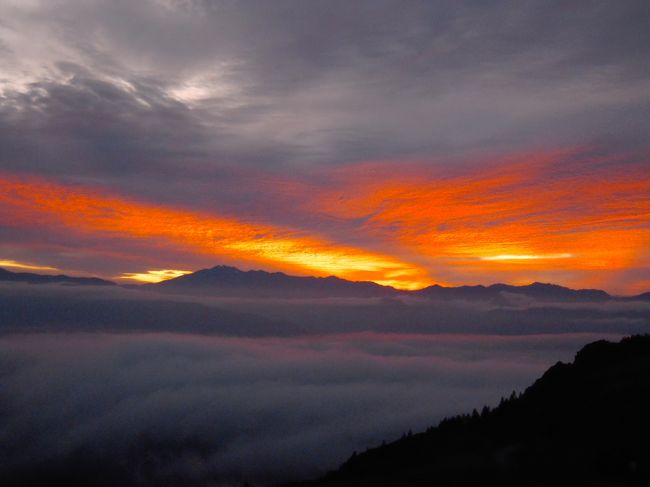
(585, 423)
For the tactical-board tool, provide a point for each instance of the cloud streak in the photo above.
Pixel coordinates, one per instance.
(154, 275)
(12, 264)
(512, 220)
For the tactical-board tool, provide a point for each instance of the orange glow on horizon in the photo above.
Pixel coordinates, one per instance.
(153, 276)
(33, 201)
(560, 217)
(520, 217)
(27, 267)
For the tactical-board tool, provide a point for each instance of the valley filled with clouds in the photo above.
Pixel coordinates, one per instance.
(162, 408)
(141, 388)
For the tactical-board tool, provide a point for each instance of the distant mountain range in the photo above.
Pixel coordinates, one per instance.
(28, 277)
(584, 423)
(282, 305)
(536, 290)
(230, 281)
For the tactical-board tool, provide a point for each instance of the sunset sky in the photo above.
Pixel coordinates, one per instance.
(406, 143)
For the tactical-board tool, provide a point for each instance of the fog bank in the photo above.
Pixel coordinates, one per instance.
(171, 409)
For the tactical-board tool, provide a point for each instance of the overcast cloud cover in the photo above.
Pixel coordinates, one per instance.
(121, 89)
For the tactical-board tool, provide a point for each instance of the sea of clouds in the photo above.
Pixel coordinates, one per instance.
(185, 409)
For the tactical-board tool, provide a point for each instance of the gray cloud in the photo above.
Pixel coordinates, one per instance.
(149, 86)
(177, 409)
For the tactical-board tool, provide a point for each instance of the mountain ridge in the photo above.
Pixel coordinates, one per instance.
(581, 423)
(232, 280)
(32, 278)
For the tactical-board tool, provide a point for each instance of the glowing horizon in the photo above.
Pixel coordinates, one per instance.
(87, 210)
(24, 266)
(153, 275)
(407, 229)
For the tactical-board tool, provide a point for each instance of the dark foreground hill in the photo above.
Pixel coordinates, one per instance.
(585, 423)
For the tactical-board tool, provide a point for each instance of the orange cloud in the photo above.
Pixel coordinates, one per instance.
(560, 216)
(24, 266)
(522, 217)
(153, 275)
(32, 202)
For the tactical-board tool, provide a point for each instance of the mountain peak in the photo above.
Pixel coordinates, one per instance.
(544, 285)
(227, 280)
(222, 280)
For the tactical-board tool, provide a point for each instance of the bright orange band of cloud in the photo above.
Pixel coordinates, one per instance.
(562, 216)
(526, 215)
(31, 202)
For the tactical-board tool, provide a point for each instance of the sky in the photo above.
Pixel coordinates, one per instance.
(407, 143)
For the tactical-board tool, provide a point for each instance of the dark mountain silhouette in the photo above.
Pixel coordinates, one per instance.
(585, 423)
(30, 278)
(230, 281)
(638, 297)
(537, 290)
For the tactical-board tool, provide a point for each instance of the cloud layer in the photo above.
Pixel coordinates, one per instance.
(52, 308)
(160, 409)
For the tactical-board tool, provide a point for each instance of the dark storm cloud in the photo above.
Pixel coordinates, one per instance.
(173, 410)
